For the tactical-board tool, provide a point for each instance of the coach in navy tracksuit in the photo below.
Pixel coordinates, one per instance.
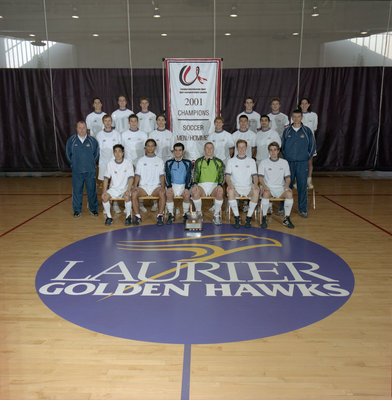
(82, 153)
(298, 146)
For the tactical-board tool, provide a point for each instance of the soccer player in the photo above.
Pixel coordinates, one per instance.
(298, 147)
(274, 176)
(178, 173)
(247, 135)
(149, 181)
(120, 116)
(253, 116)
(94, 119)
(82, 153)
(222, 140)
(120, 173)
(208, 177)
(279, 121)
(147, 119)
(264, 137)
(133, 140)
(241, 179)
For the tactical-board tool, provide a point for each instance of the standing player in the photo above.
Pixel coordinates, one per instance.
(245, 134)
(222, 140)
(253, 116)
(94, 119)
(120, 116)
(178, 181)
(264, 137)
(133, 140)
(241, 179)
(279, 121)
(208, 177)
(274, 176)
(149, 181)
(120, 173)
(82, 154)
(147, 118)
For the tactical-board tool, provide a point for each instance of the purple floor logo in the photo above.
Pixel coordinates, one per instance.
(164, 285)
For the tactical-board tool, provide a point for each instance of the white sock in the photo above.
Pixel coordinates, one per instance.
(128, 208)
(265, 205)
(185, 207)
(288, 205)
(170, 207)
(106, 207)
(251, 209)
(217, 206)
(197, 204)
(309, 180)
(234, 206)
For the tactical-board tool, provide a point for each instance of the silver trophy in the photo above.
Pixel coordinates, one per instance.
(194, 221)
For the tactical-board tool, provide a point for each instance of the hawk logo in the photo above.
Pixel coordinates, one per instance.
(186, 80)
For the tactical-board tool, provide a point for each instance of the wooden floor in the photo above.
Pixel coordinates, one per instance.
(344, 356)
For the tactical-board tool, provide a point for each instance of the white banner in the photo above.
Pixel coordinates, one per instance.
(193, 97)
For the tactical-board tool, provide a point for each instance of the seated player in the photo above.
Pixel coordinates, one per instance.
(208, 177)
(149, 181)
(120, 173)
(274, 176)
(178, 181)
(241, 179)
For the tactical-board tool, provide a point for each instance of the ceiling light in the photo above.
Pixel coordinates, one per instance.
(31, 35)
(295, 33)
(233, 13)
(163, 34)
(363, 32)
(156, 13)
(315, 12)
(1, 17)
(227, 34)
(95, 34)
(75, 16)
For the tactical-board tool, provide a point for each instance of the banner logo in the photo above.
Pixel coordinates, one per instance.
(157, 285)
(184, 76)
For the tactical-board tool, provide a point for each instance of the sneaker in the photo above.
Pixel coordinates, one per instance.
(248, 222)
(76, 214)
(94, 213)
(184, 218)
(264, 222)
(170, 219)
(288, 223)
(269, 212)
(128, 220)
(310, 186)
(303, 214)
(142, 208)
(280, 213)
(154, 206)
(295, 185)
(237, 222)
(116, 207)
(108, 221)
(159, 220)
(137, 220)
(217, 220)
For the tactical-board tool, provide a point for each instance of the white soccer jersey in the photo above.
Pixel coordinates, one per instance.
(274, 172)
(165, 143)
(250, 138)
(223, 141)
(133, 142)
(94, 123)
(120, 119)
(106, 141)
(310, 120)
(263, 139)
(147, 121)
(278, 122)
(253, 120)
(150, 170)
(119, 173)
(241, 170)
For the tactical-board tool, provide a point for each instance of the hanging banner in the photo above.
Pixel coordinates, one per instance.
(193, 89)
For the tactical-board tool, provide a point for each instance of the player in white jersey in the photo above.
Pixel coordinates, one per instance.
(106, 138)
(120, 116)
(247, 135)
(241, 179)
(120, 173)
(94, 120)
(149, 181)
(274, 176)
(279, 121)
(164, 139)
(223, 141)
(264, 137)
(133, 140)
(253, 116)
(147, 119)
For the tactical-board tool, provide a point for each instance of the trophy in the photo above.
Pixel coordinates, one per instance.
(194, 221)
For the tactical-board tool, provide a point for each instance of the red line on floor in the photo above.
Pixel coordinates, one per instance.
(34, 216)
(357, 215)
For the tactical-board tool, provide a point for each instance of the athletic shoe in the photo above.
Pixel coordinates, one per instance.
(76, 214)
(170, 219)
(269, 212)
(159, 220)
(154, 206)
(237, 222)
(108, 221)
(137, 220)
(264, 222)
(184, 218)
(116, 207)
(295, 185)
(280, 213)
(217, 220)
(94, 213)
(128, 220)
(303, 214)
(248, 222)
(142, 208)
(288, 223)
(310, 186)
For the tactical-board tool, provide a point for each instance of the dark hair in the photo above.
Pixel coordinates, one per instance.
(276, 144)
(265, 116)
(243, 116)
(122, 95)
(179, 144)
(106, 116)
(144, 98)
(97, 98)
(300, 101)
(133, 116)
(249, 98)
(275, 99)
(160, 115)
(297, 111)
(118, 146)
(150, 140)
